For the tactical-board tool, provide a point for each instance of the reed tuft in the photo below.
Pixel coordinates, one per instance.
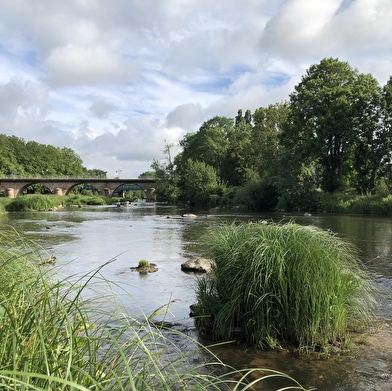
(276, 284)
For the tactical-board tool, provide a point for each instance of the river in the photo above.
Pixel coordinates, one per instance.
(85, 239)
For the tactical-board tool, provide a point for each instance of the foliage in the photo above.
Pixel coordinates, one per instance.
(96, 173)
(268, 125)
(31, 159)
(258, 195)
(348, 203)
(198, 182)
(3, 203)
(53, 339)
(39, 202)
(34, 202)
(166, 188)
(80, 200)
(334, 122)
(209, 145)
(147, 175)
(293, 284)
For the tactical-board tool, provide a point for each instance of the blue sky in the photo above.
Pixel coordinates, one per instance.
(113, 80)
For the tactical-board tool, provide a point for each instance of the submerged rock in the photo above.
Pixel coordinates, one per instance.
(47, 261)
(150, 268)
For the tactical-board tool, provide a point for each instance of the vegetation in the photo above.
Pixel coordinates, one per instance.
(39, 202)
(333, 135)
(34, 202)
(31, 159)
(53, 339)
(143, 263)
(282, 284)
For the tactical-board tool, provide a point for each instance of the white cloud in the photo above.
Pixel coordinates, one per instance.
(80, 65)
(112, 80)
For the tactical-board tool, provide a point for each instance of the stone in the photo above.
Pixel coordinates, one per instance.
(198, 265)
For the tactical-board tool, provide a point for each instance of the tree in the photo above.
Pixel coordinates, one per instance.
(166, 188)
(199, 182)
(387, 123)
(326, 119)
(268, 124)
(209, 145)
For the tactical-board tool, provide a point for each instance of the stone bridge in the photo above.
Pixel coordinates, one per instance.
(12, 187)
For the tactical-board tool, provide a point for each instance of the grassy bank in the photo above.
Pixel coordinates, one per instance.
(282, 284)
(39, 202)
(347, 203)
(53, 339)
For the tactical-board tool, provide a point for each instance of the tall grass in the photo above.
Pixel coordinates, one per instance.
(51, 338)
(277, 284)
(34, 202)
(348, 203)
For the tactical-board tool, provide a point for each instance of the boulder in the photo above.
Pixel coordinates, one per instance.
(198, 265)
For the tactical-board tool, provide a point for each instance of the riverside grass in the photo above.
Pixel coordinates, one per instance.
(280, 284)
(48, 340)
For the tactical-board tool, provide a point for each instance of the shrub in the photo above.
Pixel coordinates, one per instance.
(278, 284)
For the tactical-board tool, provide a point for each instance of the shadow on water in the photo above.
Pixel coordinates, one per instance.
(83, 240)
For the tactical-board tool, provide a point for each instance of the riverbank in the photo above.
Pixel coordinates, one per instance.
(344, 203)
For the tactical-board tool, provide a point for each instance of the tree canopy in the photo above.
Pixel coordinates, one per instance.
(32, 159)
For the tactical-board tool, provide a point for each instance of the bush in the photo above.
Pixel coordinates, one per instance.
(277, 284)
(258, 195)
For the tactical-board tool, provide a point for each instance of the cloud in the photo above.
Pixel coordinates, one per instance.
(23, 98)
(78, 65)
(185, 116)
(101, 109)
(113, 80)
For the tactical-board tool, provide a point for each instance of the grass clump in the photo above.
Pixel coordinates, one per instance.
(277, 284)
(34, 202)
(48, 340)
(143, 263)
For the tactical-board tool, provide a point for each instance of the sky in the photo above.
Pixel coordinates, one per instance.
(117, 80)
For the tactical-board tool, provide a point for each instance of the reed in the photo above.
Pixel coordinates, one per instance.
(51, 338)
(277, 284)
(34, 202)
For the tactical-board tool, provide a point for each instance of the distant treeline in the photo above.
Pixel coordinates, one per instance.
(31, 159)
(333, 135)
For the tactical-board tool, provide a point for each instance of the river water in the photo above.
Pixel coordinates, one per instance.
(85, 239)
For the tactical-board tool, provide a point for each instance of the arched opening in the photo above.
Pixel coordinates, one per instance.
(129, 192)
(83, 189)
(35, 188)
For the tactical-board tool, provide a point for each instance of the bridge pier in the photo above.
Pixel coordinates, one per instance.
(58, 191)
(10, 192)
(150, 194)
(106, 192)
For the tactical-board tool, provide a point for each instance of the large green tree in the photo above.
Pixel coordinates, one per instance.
(209, 145)
(334, 110)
